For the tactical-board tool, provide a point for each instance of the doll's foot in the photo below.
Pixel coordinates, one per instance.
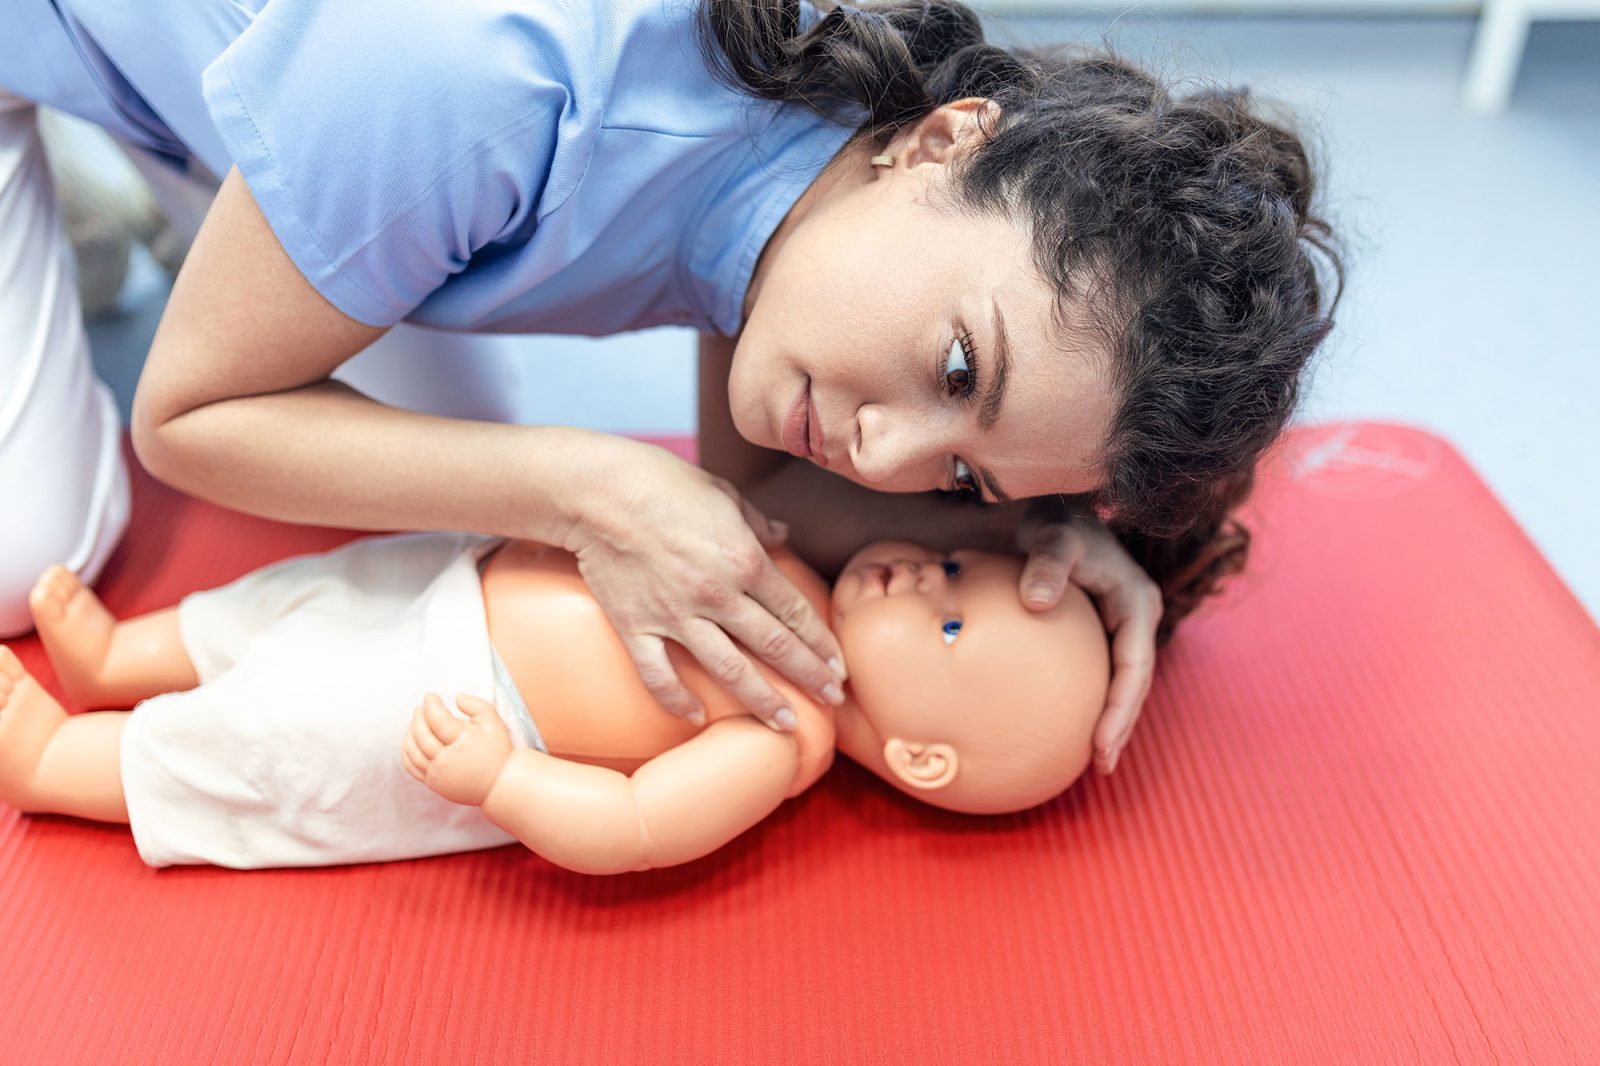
(76, 630)
(29, 717)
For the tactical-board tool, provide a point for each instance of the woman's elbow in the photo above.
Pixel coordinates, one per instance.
(150, 429)
(145, 433)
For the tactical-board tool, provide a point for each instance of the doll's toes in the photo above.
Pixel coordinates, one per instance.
(10, 666)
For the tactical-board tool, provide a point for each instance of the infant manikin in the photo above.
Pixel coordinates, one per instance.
(293, 717)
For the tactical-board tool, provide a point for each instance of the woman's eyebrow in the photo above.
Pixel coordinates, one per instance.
(996, 394)
(994, 486)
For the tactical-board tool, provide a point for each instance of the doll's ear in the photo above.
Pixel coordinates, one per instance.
(921, 766)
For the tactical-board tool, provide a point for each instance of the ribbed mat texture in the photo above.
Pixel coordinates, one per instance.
(1356, 824)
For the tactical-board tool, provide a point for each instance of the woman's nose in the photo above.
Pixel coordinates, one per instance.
(893, 450)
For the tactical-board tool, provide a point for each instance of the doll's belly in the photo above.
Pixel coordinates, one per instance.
(583, 709)
(572, 669)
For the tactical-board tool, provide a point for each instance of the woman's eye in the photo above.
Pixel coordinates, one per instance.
(952, 629)
(951, 568)
(957, 375)
(965, 485)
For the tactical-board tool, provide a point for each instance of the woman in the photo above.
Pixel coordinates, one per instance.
(921, 263)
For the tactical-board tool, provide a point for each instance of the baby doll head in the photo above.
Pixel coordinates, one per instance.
(959, 695)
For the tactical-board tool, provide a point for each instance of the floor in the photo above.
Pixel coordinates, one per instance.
(1470, 304)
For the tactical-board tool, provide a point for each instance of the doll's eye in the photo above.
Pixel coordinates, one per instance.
(951, 569)
(952, 629)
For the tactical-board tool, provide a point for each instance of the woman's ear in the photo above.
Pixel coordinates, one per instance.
(975, 119)
(948, 128)
(921, 766)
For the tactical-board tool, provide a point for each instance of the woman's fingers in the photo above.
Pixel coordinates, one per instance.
(732, 668)
(735, 672)
(671, 552)
(769, 532)
(1085, 553)
(1055, 551)
(1133, 666)
(649, 655)
(1049, 567)
(812, 658)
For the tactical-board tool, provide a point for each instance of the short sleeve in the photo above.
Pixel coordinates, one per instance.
(386, 143)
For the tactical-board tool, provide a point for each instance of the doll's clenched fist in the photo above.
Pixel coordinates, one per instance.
(457, 759)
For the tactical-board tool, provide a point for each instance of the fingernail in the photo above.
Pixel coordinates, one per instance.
(1039, 592)
(838, 668)
(696, 717)
(784, 721)
(833, 694)
(780, 528)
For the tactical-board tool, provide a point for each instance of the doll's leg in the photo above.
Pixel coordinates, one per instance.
(52, 762)
(103, 662)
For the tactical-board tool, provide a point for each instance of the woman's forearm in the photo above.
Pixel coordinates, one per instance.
(325, 454)
(236, 405)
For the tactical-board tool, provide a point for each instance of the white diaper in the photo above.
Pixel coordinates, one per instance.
(288, 754)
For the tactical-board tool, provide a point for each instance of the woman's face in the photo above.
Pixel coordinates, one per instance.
(907, 349)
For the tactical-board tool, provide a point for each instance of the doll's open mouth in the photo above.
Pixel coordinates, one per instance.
(876, 578)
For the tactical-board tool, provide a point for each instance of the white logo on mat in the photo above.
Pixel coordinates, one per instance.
(1362, 459)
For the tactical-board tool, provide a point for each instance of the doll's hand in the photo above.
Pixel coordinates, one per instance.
(672, 552)
(1082, 550)
(459, 760)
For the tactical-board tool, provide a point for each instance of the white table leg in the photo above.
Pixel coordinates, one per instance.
(1496, 53)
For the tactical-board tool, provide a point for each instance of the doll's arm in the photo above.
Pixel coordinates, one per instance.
(682, 804)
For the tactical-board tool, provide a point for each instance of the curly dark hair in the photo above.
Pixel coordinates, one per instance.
(1184, 222)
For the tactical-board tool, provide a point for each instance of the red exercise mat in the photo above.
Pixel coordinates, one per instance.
(1356, 824)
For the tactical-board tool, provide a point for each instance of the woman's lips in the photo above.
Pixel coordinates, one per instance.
(802, 428)
(816, 442)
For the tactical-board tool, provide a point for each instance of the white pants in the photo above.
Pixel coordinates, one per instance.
(61, 467)
(62, 474)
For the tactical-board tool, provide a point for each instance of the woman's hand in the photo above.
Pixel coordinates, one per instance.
(459, 760)
(1081, 550)
(672, 552)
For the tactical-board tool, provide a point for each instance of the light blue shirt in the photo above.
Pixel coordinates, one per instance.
(546, 166)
